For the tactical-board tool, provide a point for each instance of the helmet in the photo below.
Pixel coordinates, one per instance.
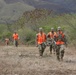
(52, 29)
(40, 29)
(59, 28)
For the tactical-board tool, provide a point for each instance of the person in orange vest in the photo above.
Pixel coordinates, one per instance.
(41, 41)
(60, 44)
(51, 36)
(15, 38)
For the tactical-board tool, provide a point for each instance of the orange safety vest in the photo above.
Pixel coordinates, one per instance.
(60, 32)
(60, 42)
(52, 35)
(15, 36)
(41, 38)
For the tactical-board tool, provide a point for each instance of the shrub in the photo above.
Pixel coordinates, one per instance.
(27, 36)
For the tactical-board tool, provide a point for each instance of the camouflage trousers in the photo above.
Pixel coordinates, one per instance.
(53, 48)
(16, 43)
(52, 45)
(41, 48)
(60, 52)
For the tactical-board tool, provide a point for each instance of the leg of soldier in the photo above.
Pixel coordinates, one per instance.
(58, 52)
(62, 54)
(7, 43)
(54, 48)
(43, 47)
(40, 50)
(43, 50)
(50, 49)
(16, 43)
(62, 51)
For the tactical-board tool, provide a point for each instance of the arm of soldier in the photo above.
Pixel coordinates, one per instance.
(45, 43)
(48, 35)
(55, 37)
(12, 37)
(18, 36)
(45, 37)
(65, 41)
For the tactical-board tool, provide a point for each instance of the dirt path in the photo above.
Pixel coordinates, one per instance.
(26, 61)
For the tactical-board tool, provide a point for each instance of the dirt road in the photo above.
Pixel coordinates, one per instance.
(26, 61)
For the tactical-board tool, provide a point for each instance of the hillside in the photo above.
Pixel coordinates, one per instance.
(57, 5)
(11, 10)
(27, 25)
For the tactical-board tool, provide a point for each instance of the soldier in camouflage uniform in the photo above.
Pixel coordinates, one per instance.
(41, 41)
(51, 37)
(60, 44)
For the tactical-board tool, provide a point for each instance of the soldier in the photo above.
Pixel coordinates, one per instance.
(60, 44)
(15, 38)
(7, 41)
(41, 41)
(51, 40)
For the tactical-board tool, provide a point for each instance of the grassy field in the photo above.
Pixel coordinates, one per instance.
(25, 60)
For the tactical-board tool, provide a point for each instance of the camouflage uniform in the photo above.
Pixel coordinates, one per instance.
(16, 43)
(41, 41)
(52, 45)
(60, 44)
(60, 52)
(15, 38)
(51, 40)
(41, 48)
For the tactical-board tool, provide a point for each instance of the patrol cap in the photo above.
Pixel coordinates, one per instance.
(59, 28)
(52, 29)
(40, 29)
